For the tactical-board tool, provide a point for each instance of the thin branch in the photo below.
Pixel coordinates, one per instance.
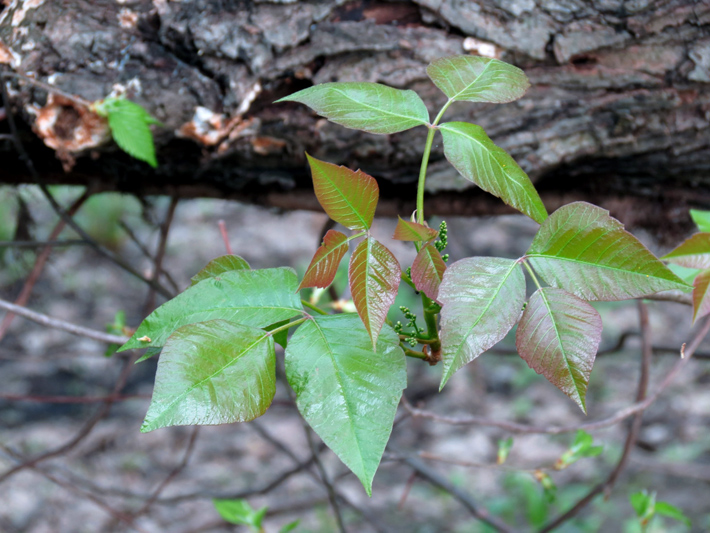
(38, 267)
(606, 485)
(134, 238)
(225, 236)
(160, 254)
(83, 432)
(173, 473)
(41, 244)
(55, 323)
(74, 399)
(118, 515)
(57, 208)
(436, 479)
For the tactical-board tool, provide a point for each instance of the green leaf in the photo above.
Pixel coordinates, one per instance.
(324, 265)
(290, 526)
(482, 300)
(150, 352)
(701, 295)
(671, 511)
(255, 298)
(129, 124)
(348, 197)
(582, 447)
(280, 337)
(347, 392)
(240, 512)
(374, 280)
(428, 270)
(220, 265)
(473, 154)
(701, 219)
(558, 337)
(411, 231)
(478, 79)
(504, 447)
(643, 504)
(692, 253)
(214, 372)
(368, 107)
(583, 250)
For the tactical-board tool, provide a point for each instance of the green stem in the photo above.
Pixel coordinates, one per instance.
(420, 340)
(312, 307)
(425, 163)
(532, 273)
(408, 281)
(412, 353)
(431, 324)
(287, 326)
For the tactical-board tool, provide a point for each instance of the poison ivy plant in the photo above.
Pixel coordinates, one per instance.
(348, 370)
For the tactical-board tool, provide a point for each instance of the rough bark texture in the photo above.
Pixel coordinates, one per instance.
(618, 112)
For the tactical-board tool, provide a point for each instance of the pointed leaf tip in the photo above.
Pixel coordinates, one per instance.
(482, 300)
(583, 250)
(411, 231)
(558, 337)
(325, 262)
(428, 270)
(347, 392)
(478, 79)
(374, 280)
(349, 197)
(694, 252)
(369, 107)
(478, 159)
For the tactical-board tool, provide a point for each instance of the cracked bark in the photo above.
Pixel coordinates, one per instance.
(618, 112)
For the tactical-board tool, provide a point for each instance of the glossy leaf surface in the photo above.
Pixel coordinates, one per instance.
(213, 372)
(701, 219)
(347, 392)
(218, 266)
(374, 280)
(255, 298)
(693, 253)
(478, 79)
(411, 231)
(583, 250)
(325, 262)
(482, 300)
(473, 154)
(428, 270)
(347, 196)
(701, 295)
(370, 107)
(558, 337)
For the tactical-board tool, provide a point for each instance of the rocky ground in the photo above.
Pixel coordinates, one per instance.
(114, 470)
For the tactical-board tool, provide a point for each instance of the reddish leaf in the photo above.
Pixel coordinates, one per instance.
(348, 197)
(428, 270)
(411, 231)
(558, 337)
(693, 253)
(374, 280)
(701, 295)
(325, 262)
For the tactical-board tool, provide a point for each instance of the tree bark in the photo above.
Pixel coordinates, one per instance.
(618, 112)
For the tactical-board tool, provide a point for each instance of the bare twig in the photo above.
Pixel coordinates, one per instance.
(55, 323)
(73, 399)
(38, 267)
(118, 515)
(225, 236)
(83, 432)
(606, 485)
(173, 473)
(160, 254)
(144, 250)
(436, 479)
(57, 208)
(41, 244)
